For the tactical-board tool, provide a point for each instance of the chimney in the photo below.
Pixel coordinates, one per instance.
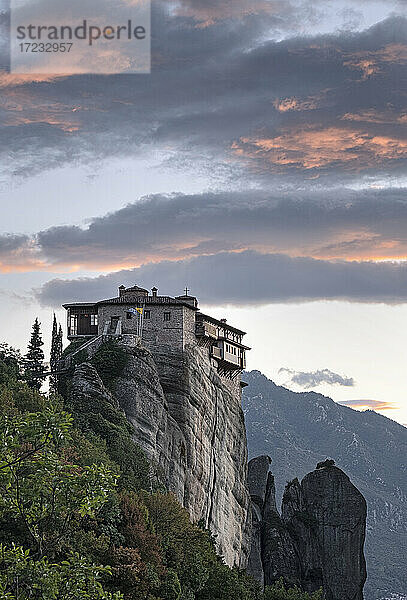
(154, 291)
(121, 290)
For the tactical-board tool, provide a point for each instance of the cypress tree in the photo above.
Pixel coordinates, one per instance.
(34, 359)
(53, 383)
(56, 353)
(60, 342)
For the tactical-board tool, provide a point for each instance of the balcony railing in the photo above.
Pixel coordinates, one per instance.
(232, 358)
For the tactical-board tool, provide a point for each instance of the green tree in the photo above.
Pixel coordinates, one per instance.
(34, 359)
(60, 341)
(23, 578)
(56, 354)
(43, 499)
(42, 491)
(279, 591)
(10, 364)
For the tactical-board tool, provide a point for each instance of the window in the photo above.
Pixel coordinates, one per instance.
(93, 320)
(73, 325)
(147, 314)
(129, 315)
(167, 316)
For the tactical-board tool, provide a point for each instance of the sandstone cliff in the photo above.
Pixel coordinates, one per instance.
(272, 554)
(190, 424)
(318, 540)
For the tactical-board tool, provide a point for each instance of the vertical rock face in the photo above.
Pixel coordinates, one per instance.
(190, 424)
(272, 554)
(333, 513)
(318, 541)
(257, 480)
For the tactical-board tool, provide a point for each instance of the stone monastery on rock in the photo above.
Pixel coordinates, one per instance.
(159, 321)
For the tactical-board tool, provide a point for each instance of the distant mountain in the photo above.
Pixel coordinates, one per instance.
(297, 430)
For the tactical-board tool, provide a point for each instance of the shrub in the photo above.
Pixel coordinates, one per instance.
(110, 361)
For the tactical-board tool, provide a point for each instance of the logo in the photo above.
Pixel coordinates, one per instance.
(80, 36)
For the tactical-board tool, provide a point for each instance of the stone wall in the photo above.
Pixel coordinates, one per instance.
(155, 329)
(189, 336)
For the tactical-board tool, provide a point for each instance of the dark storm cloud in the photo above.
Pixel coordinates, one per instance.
(338, 224)
(10, 243)
(308, 380)
(247, 278)
(221, 95)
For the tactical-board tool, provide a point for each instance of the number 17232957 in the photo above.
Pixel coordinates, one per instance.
(46, 46)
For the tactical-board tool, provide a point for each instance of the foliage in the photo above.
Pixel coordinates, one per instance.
(56, 353)
(10, 364)
(110, 361)
(44, 499)
(68, 532)
(34, 359)
(39, 488)
(23, 578)
(73, 347)
(190, 552)
(278, 591)
(229, 584)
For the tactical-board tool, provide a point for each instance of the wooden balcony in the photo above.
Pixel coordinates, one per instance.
(204, 329)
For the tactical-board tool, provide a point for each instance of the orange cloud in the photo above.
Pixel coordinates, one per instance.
(22, 110)
(312, 148)
(374, 116)
(370, 62)
(68, 127)
(360, 245)
(30, 264)
(369, 405)
(14, 80)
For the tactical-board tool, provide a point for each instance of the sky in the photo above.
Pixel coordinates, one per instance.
(262, 163)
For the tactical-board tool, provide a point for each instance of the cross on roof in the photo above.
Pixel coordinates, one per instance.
(186, 291)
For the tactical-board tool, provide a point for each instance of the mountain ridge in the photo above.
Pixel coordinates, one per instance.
(298, 429)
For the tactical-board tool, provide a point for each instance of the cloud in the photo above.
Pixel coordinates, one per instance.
(316, 148)
(19, 253)
(373, 62)
(246, 278)
(308, 380)
(347, 224)
(208, 12)
(11, 296)
(342, 224)
(369, 404)
(228, 99)
(293, 103)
